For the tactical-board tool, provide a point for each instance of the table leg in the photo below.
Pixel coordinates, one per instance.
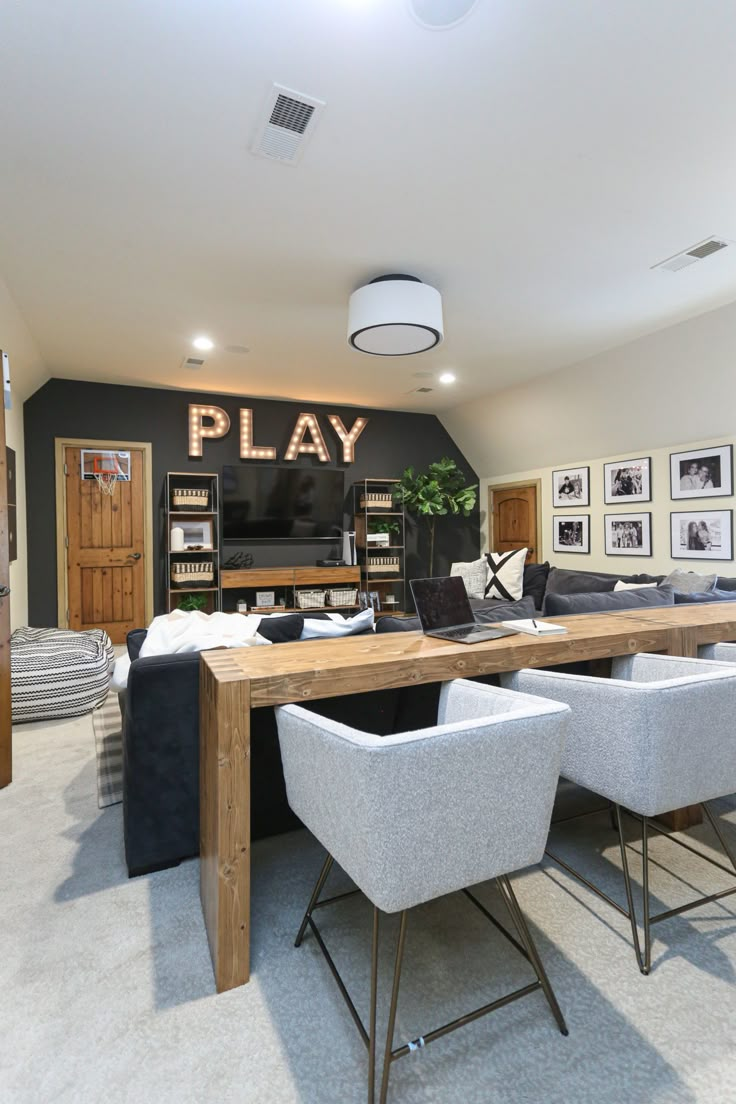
(682, 642)
(224, 818)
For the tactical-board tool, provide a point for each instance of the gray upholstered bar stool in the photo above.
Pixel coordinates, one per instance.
(415, 816)
(719, 653)
(655, 737)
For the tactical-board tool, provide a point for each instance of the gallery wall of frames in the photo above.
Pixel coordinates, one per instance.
(672, 507)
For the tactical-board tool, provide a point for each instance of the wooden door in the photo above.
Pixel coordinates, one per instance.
(105, 544)
(513, 510)
(6, 727)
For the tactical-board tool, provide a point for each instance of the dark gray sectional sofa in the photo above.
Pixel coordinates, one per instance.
(161, 722)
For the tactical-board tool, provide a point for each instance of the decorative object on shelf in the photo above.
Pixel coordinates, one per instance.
(193, 574)
(378, 540)
(376, 500)
(190, 499)
(376, 565)
(342, 596)
(197, 536)
(265, 598)
(310, 599)
(702, 473)
(627, 481)
(176, 542)
(375, 599)
(395, 315)
(239, 561)
(390, 600)
(348, 547)
(704, 535)
(628, 534)
(192, 603)
(571, 487)
(571, 533)
(439, 491)
(241, 606)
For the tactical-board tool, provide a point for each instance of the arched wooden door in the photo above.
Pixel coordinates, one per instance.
(514, 513)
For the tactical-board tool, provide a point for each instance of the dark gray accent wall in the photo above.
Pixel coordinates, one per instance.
(391, 441)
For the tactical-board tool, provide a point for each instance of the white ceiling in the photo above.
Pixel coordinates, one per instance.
(532, 163)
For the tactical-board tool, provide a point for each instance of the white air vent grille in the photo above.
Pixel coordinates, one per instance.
(690, 256)
(424, 390)
(193, 362)
(287, 122)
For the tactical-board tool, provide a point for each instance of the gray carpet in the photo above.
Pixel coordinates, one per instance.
(106, 989)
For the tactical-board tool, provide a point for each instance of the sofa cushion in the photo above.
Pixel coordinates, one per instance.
(693, 598)
(280, 629)
(723, 583)
(690, 582)
(506, 574)
(474, 574)
(557, 605)
(563, 581)
(535, 582)
(505, 611)
(398, 624)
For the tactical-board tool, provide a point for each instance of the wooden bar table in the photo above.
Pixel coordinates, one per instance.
(234, 681)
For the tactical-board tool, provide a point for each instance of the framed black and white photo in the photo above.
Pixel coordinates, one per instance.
(628, 534)
(627, 481)
(702, 473)
(571, 533)
(702, 535)
(571, 487)
(197, 535)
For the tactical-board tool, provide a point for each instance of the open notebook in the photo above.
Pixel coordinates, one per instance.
(535, 628)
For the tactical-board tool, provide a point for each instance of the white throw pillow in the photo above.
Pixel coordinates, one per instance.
(621, 585)
(474, 574)
(505, 574)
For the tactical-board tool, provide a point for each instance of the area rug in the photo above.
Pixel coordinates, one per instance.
(108, 725)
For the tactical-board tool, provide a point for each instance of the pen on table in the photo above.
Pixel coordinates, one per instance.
(534, 623)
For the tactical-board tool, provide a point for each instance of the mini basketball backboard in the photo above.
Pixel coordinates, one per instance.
(106, 466)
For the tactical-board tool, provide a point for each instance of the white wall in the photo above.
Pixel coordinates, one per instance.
(660, 561)
(675, 385)
(664, 393)
(27, 373)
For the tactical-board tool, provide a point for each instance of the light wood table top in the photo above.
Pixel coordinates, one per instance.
(234, 681)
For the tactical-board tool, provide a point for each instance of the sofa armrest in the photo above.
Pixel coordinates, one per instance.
(134, 641)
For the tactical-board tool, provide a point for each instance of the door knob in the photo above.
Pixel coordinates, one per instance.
(134, 555)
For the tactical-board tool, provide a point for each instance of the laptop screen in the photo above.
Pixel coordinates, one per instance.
(441, 603)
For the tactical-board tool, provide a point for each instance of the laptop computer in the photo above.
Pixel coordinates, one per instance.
(444, 611)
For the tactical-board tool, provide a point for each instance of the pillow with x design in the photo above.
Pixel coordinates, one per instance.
(506, 574)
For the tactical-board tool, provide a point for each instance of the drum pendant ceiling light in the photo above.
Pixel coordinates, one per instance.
(395, 315)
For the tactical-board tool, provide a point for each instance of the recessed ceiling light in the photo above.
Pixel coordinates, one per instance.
(447, 377)
(204, 344)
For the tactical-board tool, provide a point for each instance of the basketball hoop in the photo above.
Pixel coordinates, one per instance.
(106, 472)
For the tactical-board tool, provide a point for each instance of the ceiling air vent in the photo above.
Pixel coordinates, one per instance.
(193, 362)
(288, 120)
(689, 256)
(423, 390)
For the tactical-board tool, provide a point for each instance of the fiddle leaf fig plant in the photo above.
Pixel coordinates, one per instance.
(434, 493)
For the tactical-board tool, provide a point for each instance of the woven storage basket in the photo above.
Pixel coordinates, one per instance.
(193, 574)
(190, 499)
(373, 501)
(377, 565)
(342, 596)
(309, 599)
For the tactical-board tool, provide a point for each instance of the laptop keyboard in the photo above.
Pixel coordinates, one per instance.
(462, 631)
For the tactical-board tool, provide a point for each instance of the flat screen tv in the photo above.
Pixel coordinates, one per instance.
(264, 503)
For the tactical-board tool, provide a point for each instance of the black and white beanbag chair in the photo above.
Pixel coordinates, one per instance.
(58, 672)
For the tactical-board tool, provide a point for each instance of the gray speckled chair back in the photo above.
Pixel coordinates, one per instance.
(416, 815)
(658, 735)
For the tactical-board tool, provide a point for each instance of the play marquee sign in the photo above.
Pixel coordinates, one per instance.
(306, 438)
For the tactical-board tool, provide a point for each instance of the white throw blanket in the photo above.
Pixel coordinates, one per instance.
(196, 632)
